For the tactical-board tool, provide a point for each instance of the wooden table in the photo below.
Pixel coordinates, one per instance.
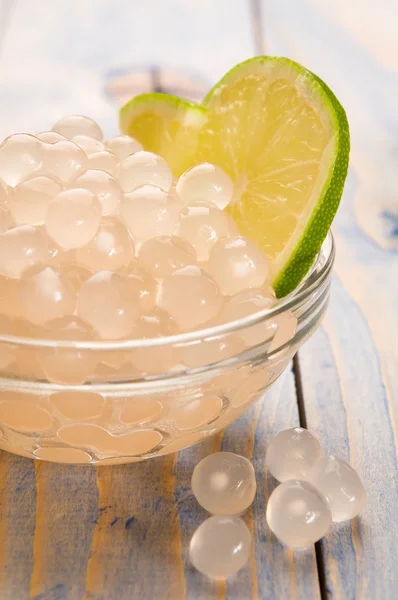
(119, 533)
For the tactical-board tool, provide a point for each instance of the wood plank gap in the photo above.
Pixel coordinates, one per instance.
(320, 561)
(299, 392)
(255, 10)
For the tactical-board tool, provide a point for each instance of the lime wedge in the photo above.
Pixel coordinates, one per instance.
(166, 125)
(283, 137)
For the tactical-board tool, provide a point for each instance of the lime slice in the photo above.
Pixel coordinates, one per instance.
(283, 137)
(166, 125)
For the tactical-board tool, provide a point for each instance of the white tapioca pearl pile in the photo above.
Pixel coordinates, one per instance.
(103, 232)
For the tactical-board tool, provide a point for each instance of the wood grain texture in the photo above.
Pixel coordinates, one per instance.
(70, 533)
(349, 369)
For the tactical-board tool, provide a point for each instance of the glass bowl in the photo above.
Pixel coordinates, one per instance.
(195, 383)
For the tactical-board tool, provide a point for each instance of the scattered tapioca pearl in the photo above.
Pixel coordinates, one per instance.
(237, 264)
(46, 295)
(73, 218)
(142, 286)
(104, 161)
(162, 255)
(110, 249)
(205, 182)
(292, 454)
(144, 168)
(105, 303)
(244, 304)
(88, 144)
(224, 483)
(298, 514)
(341, 486)
(148, 212)
(191, 297)
(203, 225)
(71, 366)
(123, 146)
(63, 160)
(20, 248)
(78, 125)
(220, 546)
(105, 187)
(31, 198)
(50, 137)
(21, 155)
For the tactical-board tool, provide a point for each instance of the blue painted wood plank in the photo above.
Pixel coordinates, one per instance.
(17, 525)
(57, 55)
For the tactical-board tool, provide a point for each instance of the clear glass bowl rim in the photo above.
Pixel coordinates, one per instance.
(314, 279)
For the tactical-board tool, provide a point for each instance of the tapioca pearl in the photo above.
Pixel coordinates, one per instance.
(122, 146)
(20, 248)
(224, 483)
(72, 125)
(111, 248)
(153, 359)
(63, 160)
(78, 406)
(24, 412)
(298, 514)
(10, 296)
(105, 303)
(57, 257)
(236, 264)
(292, 453)
(286, 326)
(50, 137)
(71, 366)
(88, 144)
(142, 286)
(63, 455)
(104, 161)
(92, 436)
(197, 412)
(220, 546)
(73, 218)
(76, 274)
(46, 295)
(105, 187)
(148, 212)
(248, 303)
(31, 198)
(207, 352)
(341, 486)
(144, 168)
(21, 155)
(250, 389)
(206, 181)
(191, 297)
(7, 351)
(202, 226)
(182, 442)
(141, 411)
(162, 255)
